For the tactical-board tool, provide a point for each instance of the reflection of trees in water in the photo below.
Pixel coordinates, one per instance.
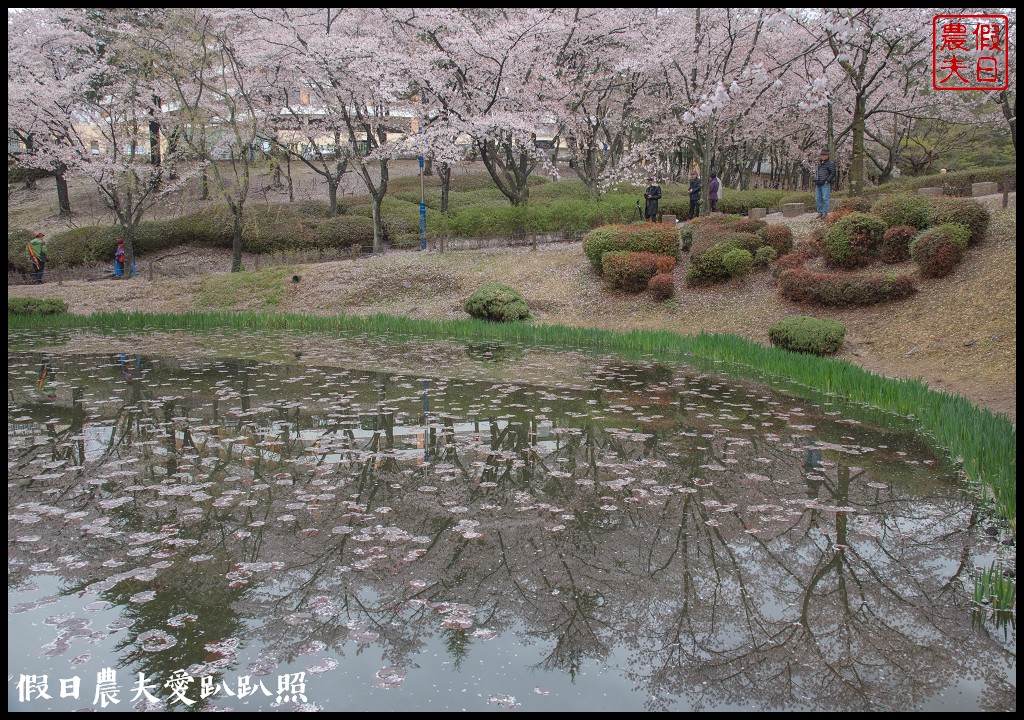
(607, 535)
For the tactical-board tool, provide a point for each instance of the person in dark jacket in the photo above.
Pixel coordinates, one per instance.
(651, 196)
(713, 189)
(694, 195)
(824, 176)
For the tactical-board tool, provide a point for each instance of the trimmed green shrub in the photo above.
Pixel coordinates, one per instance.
(344, 231)
(853, 241)
(686, 237)
(655, 238)
(707, 265)
(496, 302)
(896, 244)
(808, 334)
(961, 211)
(36, 306)
(738, 262)
(843, 289)
(745, 241)
(938, 250)
(319, 208)
(662, 286)
(777, 236)
(740, 201)
(78, 246)
(17, 250)
(714, 220)
(909, 210)
(601, 240)
(952, 183)
(629, 271)
(765, 256)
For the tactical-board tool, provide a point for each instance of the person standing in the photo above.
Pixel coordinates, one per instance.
(37, 254)
(119, 258)
(713, 189)
(694, 195)
(824, 176)
(651, 197)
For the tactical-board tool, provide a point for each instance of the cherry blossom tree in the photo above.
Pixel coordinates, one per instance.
(219, 99)
(599, 73)
(50, 64)
(476, 74)
(874, 47)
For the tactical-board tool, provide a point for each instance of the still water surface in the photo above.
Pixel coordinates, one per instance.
(350, 524)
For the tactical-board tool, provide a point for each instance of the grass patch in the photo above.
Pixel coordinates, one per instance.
(36, 306)
(262, 289)
(982, 443)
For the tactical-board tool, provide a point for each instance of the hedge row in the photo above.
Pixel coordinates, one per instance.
(267, 228)
(954, 183)
(846, 289)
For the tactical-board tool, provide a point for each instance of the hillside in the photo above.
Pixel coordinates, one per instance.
(958, 333)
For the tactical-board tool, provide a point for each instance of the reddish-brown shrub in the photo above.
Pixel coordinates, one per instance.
(788, 261)
(802, 252)
(938, 250)
(746, 225)
(778, 236)
(855, 204)
(662, 286)
(837, 215)
(666, 264)
(844, 289)
(629, 271)
(896, 244)
(811, 247)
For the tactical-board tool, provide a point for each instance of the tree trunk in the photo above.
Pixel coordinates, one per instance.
(705, 185)
(428, 165)
(288, 174)
(857, 163)
(236, 238)
(128, 234)
(1010, 113)
(511, 173)
(444, 171)
(154, 143)
(332, 194)
(378, 225)
(204, 193)
(63, 199)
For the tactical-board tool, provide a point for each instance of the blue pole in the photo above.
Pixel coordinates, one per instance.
(423, 207)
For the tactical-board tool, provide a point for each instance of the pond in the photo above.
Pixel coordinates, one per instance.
(302, 522)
